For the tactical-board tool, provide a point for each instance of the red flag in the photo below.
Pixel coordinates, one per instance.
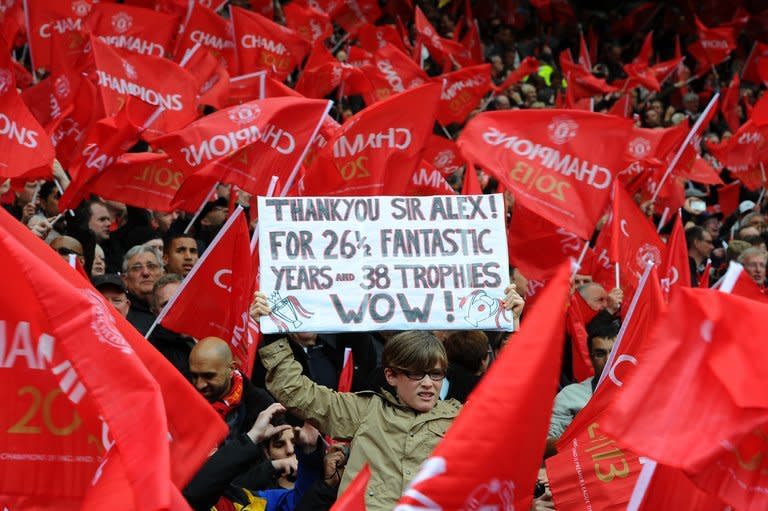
(550, 160)
(746, 148)
(578, 316)
(353, 498)
(646, 51)
(109, 138)
(685, 378)
(465, 471)
(609, 471)
(462, 92)
(246, 145)
(730, 105)
(392, 72)
(537, 246)
(666, 69)
(212, 32)
(260, 43)
(264, 7)
(446, 52)
(675, 271)
(353, 14)
(473, 43)
(443, 154)
(24, 144)
(323, 73)
(309, 23)
(245, 88)
(758, 58)
(214, 299)
(155, 81)
(582, 83)
(713, 46)
(729, 198)
(47, 16)
(629, 237)
(640, 74)
(427, 180)
(622, 107)
(527, 66)
(374, 37)
(376, 151)
(670, 488)
(185, 408)
(142, 180)
(134, 29)
(65, 352)
(471, 184)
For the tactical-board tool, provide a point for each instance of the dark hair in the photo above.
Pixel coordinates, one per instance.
(694, 233)
(467, 348)
(47, 189)
(603, 325)
(174, 236)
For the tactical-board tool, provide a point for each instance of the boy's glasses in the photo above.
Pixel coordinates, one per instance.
(434, 375)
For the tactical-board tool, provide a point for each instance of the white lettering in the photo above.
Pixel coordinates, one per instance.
(395, 138)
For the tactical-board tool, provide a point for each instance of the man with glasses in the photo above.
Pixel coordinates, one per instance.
(142, 266)
(700, 245)
(601, 334)
(754, 260)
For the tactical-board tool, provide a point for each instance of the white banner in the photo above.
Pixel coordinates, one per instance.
(335, 264)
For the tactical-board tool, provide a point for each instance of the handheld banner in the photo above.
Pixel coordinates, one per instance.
(332, 264)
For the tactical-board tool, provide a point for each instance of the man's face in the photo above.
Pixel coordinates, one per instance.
(116, 298)
(181, 256)
(705, 245)
(50, 204)
(755, 267)
(601, 347)
(164, 295)
(210, 375)
(282, 446)
(143, 272)
(596, 298)
(419, 394)
(712, 226)
(99, 222)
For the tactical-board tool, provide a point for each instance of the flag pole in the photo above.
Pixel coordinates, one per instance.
(685, 143)
(663, 219)
(616, 273)
(580, 260)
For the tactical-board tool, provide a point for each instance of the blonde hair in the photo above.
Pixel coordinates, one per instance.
(415, 350)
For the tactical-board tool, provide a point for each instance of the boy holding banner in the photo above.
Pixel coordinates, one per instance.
(393, 434)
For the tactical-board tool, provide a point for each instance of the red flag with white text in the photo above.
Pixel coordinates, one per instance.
(212, 32)
(697, 370)
(551, 161)
(465, 470)
(260, 43)
(462, 92)
(675, 271)
(376, 151)
(134, 29)
(214, 299)
(308, 22)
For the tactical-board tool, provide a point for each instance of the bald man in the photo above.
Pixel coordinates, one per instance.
(215, 375)
(66, 246)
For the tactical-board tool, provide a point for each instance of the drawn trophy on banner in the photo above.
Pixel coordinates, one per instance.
(480, 307)
(286, 311)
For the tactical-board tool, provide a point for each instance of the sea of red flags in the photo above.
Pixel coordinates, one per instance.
(106, 76)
